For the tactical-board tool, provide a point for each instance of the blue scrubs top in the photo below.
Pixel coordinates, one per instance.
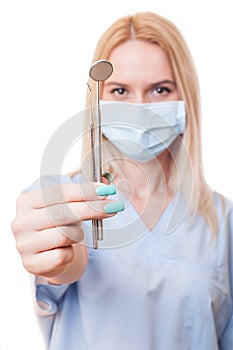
(166, 289)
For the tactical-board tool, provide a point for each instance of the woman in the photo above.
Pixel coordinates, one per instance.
(163, 278)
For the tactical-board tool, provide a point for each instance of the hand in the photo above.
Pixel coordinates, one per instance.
(48, 228)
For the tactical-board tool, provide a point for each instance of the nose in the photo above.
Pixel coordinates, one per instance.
(139, 97)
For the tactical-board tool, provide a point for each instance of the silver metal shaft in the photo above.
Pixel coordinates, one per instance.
(99, 157)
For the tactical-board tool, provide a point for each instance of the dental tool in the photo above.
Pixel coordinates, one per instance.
(99, 71)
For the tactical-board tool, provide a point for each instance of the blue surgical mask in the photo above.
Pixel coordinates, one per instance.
(142, 131)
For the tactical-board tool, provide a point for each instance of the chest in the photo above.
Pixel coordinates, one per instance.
(150, 208)
(153, 279)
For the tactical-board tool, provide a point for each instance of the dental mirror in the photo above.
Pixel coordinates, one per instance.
(101, 70)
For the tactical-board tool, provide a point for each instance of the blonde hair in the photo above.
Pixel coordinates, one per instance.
(153, 28)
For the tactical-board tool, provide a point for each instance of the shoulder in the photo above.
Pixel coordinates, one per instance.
(223, 204)
(224, 210)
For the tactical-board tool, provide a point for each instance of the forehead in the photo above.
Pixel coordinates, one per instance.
(140, 58)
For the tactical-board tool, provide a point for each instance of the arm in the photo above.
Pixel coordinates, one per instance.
(226, 341)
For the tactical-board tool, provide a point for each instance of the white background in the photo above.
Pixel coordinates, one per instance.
(46, 50)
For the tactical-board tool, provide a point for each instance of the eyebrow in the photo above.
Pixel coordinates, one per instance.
(166, 81)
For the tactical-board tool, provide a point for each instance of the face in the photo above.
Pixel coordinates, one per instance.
(141, 73)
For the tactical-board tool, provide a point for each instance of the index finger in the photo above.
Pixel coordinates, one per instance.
(60, 193)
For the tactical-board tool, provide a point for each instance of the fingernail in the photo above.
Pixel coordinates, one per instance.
(114, 207)
(106, 190)
(108, 176)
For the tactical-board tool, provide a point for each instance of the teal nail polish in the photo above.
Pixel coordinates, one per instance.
(106, 190)
(114, 207)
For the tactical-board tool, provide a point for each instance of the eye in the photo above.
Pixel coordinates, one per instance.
(161, 90)
(119, 91)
